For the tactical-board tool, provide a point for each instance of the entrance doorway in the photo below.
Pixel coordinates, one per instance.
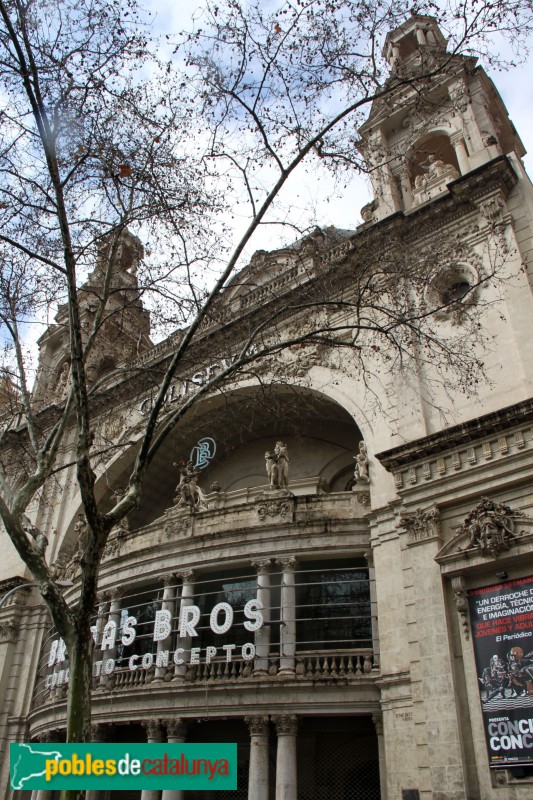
(337, 759)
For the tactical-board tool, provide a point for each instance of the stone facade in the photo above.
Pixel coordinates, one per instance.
(361, 682)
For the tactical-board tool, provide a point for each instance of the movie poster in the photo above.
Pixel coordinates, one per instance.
(502, 630)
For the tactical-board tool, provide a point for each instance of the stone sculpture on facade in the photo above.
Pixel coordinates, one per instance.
(117, 495)
(82, 534)
(188, 493)
(38, 536)
(490, 526)
(361, 464)
(277, 466)
(430, 182)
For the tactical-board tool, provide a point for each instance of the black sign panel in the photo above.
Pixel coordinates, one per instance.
(502, 627)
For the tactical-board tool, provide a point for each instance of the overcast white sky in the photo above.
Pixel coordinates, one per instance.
(515, 86)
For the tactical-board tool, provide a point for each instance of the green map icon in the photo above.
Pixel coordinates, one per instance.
(28, 762)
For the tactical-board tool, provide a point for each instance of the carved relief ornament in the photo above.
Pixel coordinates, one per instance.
(177, 527)
(461, 603)
(489, 530)
(272, 509)
(421, 525)
(489, 526)
(8, 631)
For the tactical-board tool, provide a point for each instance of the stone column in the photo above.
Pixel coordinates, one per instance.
(187, 599)
(44, 738)
(168, 604)
(287, 633)
(258, 769)
(377, 719)
(394, 56)
(98, 734)
(420, 35)
(113, 616)
(460, 151)
(262, 636)
(42, 794)
(286, 766)
(369, 558)
(103, 610)
(154, 734)
(176, 732)
(407, 190)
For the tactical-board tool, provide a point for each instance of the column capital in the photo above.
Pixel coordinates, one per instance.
(186, 575)
(98, 731)
(456, 137)
(286, 725)
(377, 719)
(176, 727)
(154, 729)
(258, 726)
(287, 563)
(169, 579)
(117, 592)
(53, 735)
(262, 566)
(103, 597)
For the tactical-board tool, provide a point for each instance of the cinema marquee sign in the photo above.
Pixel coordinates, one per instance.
(220, 622)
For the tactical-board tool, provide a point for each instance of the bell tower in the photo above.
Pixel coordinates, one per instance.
(124, 329)
(443, 119)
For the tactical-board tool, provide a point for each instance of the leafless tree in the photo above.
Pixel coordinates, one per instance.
(100, 136)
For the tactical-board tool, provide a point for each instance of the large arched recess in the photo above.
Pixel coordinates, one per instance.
(321, 435)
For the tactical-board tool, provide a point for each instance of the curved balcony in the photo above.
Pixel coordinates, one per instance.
(249, 522)
(222, 688)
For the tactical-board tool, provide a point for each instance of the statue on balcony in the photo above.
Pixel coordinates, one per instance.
(118, 493)
(361, 464)
(271, 469)
(277, 466)
(188, 493)
(83, 535)
(282, 457)
(438, 169)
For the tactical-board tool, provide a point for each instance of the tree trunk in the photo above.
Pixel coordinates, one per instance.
(80, 652)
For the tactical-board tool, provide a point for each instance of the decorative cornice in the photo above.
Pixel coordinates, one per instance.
(463, 434)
